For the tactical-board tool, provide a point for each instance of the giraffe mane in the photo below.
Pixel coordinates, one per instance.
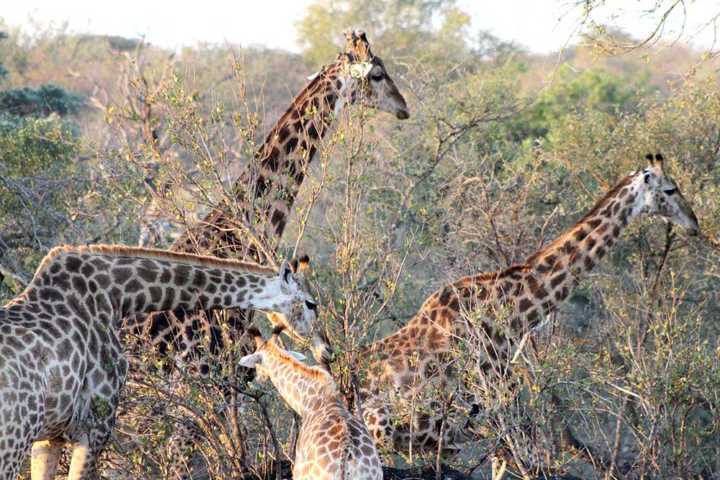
(599, 205)
(309, 91)
(153, 254)
(315, 373)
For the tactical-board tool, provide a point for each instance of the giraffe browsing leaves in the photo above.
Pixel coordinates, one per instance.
(508, 305)
(61, 361)
(332, 443)
(266, 190)
(263, 198)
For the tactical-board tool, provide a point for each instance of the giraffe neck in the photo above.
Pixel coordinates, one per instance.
(560, 266)
(293, 142)
(128, 281)
(266, 191)
(304, 388)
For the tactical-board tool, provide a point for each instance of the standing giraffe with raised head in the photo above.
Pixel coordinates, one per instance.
(511, 302)
(332, 444)
(264, 195)
(265, 192)
(61, 361)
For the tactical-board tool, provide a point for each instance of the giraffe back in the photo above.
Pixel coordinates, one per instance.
(327, 431)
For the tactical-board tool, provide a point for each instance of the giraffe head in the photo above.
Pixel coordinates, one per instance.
(293, 306)
(302, 322)
(660, 195)
(260, 361)
(366, 80)
(302, 386)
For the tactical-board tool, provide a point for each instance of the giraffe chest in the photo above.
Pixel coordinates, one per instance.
(55, 368)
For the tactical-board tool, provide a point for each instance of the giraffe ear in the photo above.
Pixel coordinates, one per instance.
(299, 264)
(360, 70)
(659, 161)
(256, 335)
(250, 361)
(297, 355)
(285, 271)
(302, 263)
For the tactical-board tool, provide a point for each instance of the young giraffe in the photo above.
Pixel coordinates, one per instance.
(61, 362)
(515, 301)
(332, 443)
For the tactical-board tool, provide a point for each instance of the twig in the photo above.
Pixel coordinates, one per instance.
(617, 442)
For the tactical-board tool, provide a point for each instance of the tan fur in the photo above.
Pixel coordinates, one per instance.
(568, 234)
(315, 373)
(332, 444)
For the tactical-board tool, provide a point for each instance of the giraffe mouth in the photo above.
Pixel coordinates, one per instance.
(402, 114)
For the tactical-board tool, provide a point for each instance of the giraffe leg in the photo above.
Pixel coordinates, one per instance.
(377, 420)
(16, 430)
(90, 442)
(10, 462)
(82, 465)
(45, 458)
(181, 450)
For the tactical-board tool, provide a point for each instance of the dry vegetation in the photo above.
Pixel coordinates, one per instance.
(502, 152)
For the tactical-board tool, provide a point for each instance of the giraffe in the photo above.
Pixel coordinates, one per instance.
(332, 444)
(266, 190)
(511, 304)
(61, 361)
(264, 195)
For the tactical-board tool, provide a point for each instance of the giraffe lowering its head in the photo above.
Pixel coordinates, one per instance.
(510, 303)
(332, 444)
(61, 362)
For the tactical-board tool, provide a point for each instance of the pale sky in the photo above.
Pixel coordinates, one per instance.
(538, 25)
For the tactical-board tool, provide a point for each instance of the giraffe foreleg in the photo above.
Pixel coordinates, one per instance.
(82, 464)
(90, 440)
(16, 430)
(182, 450)
(378, 422)
(45, 458)
(87, 449)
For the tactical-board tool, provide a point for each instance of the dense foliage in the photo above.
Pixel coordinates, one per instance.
(503, 151)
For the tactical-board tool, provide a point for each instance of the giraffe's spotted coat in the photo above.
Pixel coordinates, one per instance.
(264, 196)
(61, 361)
(332, 443)
(418, 358)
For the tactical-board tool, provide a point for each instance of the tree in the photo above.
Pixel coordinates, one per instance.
(418, 28)
(661, 13)
(37, 173)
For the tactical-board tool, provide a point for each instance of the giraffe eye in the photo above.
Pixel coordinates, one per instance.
(377, 76)
(310, 305)
(670, 191)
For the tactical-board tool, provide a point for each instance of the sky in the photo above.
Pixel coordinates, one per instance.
(541, 26)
